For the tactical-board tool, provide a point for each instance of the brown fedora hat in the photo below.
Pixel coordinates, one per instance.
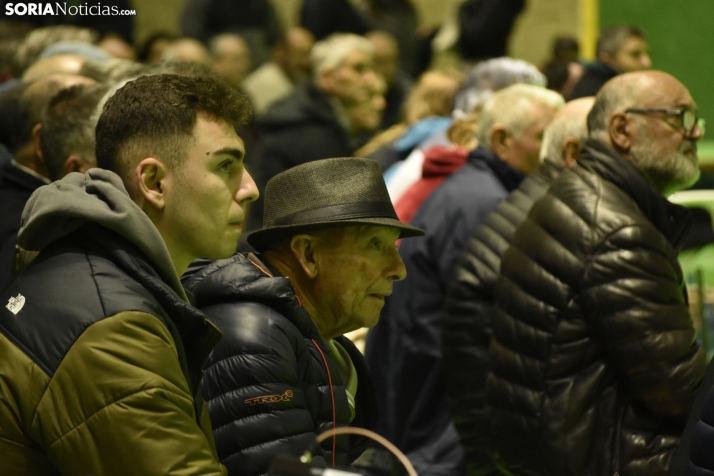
(324, 194)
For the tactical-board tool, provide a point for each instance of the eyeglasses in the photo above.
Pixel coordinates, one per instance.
(687, 118)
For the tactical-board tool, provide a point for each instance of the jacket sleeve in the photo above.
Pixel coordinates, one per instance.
(465, 342)
(468, 324)
(119, 404)
(252, 387)
(636, 302)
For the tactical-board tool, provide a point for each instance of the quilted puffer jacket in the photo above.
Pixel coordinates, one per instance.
(100, 351)
(468, 325)
(594, 365)
(267, 383)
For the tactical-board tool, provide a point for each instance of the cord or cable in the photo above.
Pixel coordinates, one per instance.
(350, 430)
(334, 412)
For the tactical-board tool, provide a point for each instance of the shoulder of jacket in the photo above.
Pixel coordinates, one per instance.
(61, 293)
(253, 327)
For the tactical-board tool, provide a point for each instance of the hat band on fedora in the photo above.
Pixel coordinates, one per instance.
(339, 212)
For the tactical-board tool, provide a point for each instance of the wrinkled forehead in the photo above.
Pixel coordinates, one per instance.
(667, 92)
(348, 235)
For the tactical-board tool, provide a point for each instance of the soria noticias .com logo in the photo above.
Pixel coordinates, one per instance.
(61, 8)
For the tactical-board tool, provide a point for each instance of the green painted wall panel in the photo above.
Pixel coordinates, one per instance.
(681, 38)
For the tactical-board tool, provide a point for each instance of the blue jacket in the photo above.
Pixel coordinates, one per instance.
(404, 349)
(694, 456)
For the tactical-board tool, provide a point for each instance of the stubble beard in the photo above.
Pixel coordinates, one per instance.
(668, 173)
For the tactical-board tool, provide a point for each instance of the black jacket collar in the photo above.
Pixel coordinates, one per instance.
(670, 219)
(15, 176)
(509, 177)
(239, 278)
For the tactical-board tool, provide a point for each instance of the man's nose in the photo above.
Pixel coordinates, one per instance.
(248, 191)
(397, 271)
(646, 61)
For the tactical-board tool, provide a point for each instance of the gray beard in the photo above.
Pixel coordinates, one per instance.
(668, 173)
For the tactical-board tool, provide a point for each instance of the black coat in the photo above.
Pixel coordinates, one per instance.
(595, 76)
(468, 327)
(485, 26)
(300, 128)
(404, 349)
(594, 365)
(266, 383)
(695, 457)
(16, 187)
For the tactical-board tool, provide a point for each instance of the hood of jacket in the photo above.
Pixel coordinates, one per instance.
(98, 197)
(305, 104)
(421, 131)
(442, 161)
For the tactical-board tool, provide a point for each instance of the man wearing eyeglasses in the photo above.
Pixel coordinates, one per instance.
(594, 364)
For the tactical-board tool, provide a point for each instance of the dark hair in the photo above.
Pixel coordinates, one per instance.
(68, 126)
(612, 38)
(9, 112)
(565, 48)
(156, 115)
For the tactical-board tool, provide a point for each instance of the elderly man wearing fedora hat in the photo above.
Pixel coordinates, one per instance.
(284, 372)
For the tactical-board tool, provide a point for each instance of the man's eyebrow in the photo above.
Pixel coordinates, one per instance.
(237, 153)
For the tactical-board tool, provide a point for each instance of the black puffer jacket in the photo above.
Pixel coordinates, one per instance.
(266, 382)
(593, 364)
(467, 321)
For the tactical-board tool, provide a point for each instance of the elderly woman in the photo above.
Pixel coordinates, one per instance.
(283, 372)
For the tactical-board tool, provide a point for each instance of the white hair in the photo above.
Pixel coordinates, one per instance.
(513, 107)
(328, 54)
(561, 128)
(493, 75)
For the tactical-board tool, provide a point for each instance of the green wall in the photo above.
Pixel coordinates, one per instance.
(681, 38)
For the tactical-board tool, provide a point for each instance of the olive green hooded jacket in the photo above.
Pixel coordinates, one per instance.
(100, 351)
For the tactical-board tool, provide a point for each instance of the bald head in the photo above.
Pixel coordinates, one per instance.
(32, 105)
(627, 91)
(69, 64)
(386, 54)
(231, 57)
(642, 117)
(565, 137)
(187, 49)
(292, 53)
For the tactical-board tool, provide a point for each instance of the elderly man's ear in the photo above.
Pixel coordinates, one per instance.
(36, 140)
(571, 150)
(303, 248)
(620, 130)
(500, 141)
(75, 163)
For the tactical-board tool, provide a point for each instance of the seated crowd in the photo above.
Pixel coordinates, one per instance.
(193, 246)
